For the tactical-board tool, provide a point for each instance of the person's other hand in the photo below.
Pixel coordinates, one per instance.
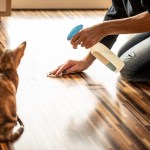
(71, 66)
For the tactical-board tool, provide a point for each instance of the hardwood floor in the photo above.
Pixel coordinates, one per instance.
(93, 110)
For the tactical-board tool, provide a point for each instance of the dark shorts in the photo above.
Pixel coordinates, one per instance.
(136, 55)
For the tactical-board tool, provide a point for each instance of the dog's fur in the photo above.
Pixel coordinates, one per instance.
(9, 61)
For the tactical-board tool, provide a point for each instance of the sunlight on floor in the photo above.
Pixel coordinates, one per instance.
(47, 47)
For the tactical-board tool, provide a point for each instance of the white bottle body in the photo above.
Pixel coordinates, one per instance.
(102, 53)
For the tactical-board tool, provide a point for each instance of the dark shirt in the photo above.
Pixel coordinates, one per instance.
(123, 9)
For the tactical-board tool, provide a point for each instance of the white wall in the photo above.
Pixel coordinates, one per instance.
(2, 5)
(64, 4)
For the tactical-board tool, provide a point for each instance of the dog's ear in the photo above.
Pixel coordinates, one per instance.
(18, 53)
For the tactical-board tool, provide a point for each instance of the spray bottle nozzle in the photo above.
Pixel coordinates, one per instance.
(74, 31)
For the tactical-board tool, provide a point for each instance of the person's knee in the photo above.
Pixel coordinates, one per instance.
(137, 62)
(137, 73)
(128, 73)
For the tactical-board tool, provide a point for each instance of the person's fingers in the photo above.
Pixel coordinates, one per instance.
(85, 42)
(60, 71)
(77, 40)
(75, 46)
(54, 71)
(81, 41)
(71, 70)
(75, 37)
(63, 68)
(89, 44)
(76, 43)
(70, 66)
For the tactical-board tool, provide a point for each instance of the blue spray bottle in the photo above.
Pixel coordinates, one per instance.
(101, 52)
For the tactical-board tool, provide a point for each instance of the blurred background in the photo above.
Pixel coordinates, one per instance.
(61, 4)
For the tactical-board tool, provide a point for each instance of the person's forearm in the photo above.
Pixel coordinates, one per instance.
(89, 58)
(136, 24)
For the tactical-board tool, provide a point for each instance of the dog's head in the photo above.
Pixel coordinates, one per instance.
(9, 61)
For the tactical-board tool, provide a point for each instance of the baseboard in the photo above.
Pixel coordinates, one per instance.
(59, 4)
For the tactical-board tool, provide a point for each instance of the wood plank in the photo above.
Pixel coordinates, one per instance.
(92, 110)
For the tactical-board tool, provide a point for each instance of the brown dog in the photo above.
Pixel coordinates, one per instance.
(9, 61)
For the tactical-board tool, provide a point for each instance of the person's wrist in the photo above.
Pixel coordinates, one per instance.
(89, 59)
(105, 28)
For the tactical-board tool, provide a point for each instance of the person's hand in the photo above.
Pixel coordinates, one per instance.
(71, 66)
(88, 36)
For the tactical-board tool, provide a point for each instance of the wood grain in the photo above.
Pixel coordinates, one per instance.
(93, 110)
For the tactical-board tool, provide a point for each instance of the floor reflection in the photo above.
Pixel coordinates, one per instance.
(113, 125)
(90, 111)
